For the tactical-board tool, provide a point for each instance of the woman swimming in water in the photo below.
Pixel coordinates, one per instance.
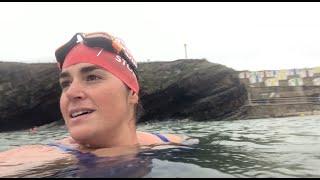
(100, 93)
(99, 100)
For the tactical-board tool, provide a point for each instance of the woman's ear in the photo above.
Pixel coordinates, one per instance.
(133, 97)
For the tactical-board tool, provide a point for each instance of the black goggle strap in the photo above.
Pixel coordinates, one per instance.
(101, 42)
(64, 49)
(123, 55)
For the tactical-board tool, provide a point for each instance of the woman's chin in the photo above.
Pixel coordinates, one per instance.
(81, 135)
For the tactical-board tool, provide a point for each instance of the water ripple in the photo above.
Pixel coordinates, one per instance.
(279, 147)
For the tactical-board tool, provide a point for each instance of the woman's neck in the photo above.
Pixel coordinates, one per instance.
(123, 136)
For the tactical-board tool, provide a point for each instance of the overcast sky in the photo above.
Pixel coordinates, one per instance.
(243, 36)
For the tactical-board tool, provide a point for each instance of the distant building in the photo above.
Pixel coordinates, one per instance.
(284, 77)
(316, 70)
(316, 81)
(255, 77)
(302, 73)
(244, 75)
(295, 82)
(292, 72)
(271, 82)
(271, 73)
(310, 72)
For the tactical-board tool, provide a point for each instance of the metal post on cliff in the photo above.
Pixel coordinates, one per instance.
(185, 51)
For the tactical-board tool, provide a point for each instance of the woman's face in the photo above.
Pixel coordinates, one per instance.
(94, 103)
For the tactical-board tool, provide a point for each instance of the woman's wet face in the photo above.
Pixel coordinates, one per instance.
(93, 102)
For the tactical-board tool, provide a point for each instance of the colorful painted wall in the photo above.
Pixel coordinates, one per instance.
(284, 77)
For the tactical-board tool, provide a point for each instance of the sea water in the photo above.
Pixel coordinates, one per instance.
(275, 147)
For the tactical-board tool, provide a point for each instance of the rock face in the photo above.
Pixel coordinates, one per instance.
(195, 89)
(29, 95)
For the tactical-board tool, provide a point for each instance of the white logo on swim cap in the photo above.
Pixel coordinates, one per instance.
(124, 63)
(100, 52)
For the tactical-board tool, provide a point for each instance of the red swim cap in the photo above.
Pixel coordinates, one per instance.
(107, 60)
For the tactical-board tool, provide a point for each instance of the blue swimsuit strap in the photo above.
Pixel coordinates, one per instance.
(77, 152)
(64, 148)
(87, 159)
(162, 137)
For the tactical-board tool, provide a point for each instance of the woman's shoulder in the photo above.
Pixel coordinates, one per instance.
(30, 151)
(68, 141)
(29, 157)
(147, 138)
(175, 138)
(38, 151)
(24, 148)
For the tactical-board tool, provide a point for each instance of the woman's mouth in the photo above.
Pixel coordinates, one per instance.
(78, 114)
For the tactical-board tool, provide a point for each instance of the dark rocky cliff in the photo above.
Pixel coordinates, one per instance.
(195, 89)
(29, 95)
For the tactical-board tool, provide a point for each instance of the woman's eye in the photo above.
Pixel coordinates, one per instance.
(92, 77)
(64, 84)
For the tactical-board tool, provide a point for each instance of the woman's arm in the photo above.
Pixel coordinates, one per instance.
(20, 159)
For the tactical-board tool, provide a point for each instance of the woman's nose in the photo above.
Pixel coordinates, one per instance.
(75, 91)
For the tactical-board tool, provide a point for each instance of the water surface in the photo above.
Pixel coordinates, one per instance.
(278, 147)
